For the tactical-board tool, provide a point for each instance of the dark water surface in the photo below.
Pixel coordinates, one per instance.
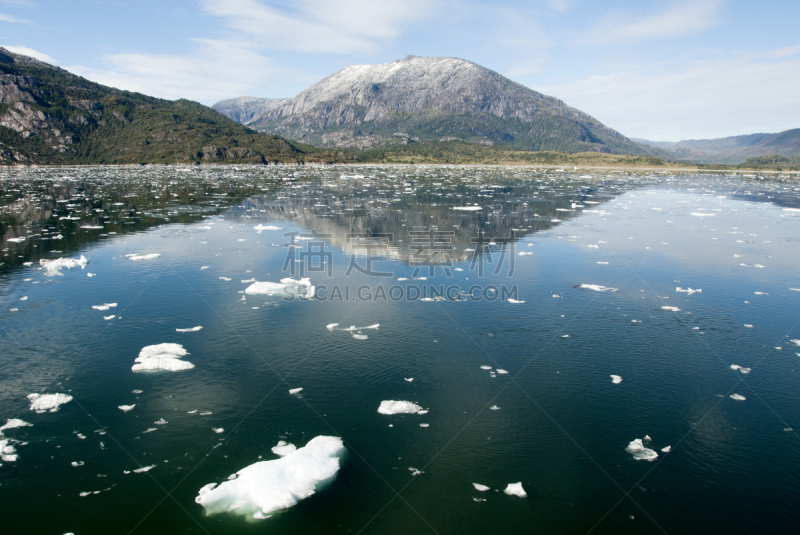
(555, 422)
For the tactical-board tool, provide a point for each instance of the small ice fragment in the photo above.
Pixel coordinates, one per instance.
(111, 317)
(468, 208)
(77, 463)
(331, 326)
(48, 402)
(360, 336)
(480, 488)
(137, 392)
(161, 421)
(104, 306)
(738, 397)
(689, 291)
(23, 298)
(90, 275)
(261, 228)
(514, 301)
(218, 430)
(735, 366)
(295, 391)
(126, 408)
(424, 425)
(486, 367)
(399, 407)
(666, 449)
(144, 469)
(640, 452)
(283, 448)
(673, 309)
(190, 330)
(515, 489)
(408, 379)
(140, 257)
(203, 267)
(225, 279)
(501, 372)
(748, 325)
(494, 408)
(616, 379)
(162, 357)
(598, 288)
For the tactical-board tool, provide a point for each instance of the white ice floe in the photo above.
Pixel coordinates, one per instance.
(480, 488)
(144, 469)
(702, 214)
(295, 391)
(139, 257)
(689, 291)
(501, 371)
(162, 357)
(48, 402)
(260, 489)
(190, 330)
(515, 489)
(514, 301)
(283, 448)
(218, 430)
(111, 317)
(261, 228)
(616, 379)
(598, 288)
(104, 306)
(795, 342)
(14, 423)
(673, 309)
(287, 285)
(640, 452)
(738, 397)
(666, 449)
(468, 208)
(408, 379)
(484, 367)
(126, 408)
(748, 326)
(399, 407)
(331, 326)
(759, 266)
(360, 336)
(494, 408)
(53, 267)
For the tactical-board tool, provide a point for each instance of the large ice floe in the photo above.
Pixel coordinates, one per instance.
(139, 257)
(52, 268)
(640, 452)
(42, 403)
(400, 407)
(162, 357)
(263, 488)
(8, 453)
(289, 286)
(515, 489)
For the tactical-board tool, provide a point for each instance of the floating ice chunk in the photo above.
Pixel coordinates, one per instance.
(603, 263)
(415, 471)
(494, 408)
(190, 330)
(48, 402)
(735, 366)
(702, 214)
(515, 489)
(795, 289)
(399, 407)
(616, 379)
(218, 430)
(666, 449)
(53, 267)
(23, 298)
(295, 391)
(480, 488)
(759, 266)
(17, 240)
(360, 336)
(747, 325)
(673, 309)
(268, 486)
(162, 357)
(468, 208)
(408, 379)
(501, 371)
(271, 288)
(111, 317)
(144, 469)
(140, 257)
(161, 421)
(261, 228)
(90, 275)
(738, 397)
(484, 367)
(424, 425)
(640, 452)
(331, 326)
(76, 464)
(282, 449)
(514, 301)
(795, 342)
(104, 306)
(687, 290)
(226, 279)
(598, 288)
(126, 408)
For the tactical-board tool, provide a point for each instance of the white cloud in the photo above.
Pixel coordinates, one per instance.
(676, 20)
(319, 26)
(704, 99)
(12, 18)
(218, 70)
(25, 51)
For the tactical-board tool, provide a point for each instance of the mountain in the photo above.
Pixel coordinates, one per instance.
(48, 115)
(732, 150)
(436, 99)
(245, 109)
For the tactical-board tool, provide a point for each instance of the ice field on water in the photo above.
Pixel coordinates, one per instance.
(398, 349)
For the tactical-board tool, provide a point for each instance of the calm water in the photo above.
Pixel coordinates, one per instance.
(555, 422)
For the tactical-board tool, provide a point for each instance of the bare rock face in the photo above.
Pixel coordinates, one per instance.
(247, 109)
(431, 99)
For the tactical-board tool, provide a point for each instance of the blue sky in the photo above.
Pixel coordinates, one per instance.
(655, 69)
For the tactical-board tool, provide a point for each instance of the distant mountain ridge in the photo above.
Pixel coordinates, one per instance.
(435, 99)
(245, 109)
(731, 150)
(49, 115)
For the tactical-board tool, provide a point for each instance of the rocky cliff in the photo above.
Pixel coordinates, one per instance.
(245, 109)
